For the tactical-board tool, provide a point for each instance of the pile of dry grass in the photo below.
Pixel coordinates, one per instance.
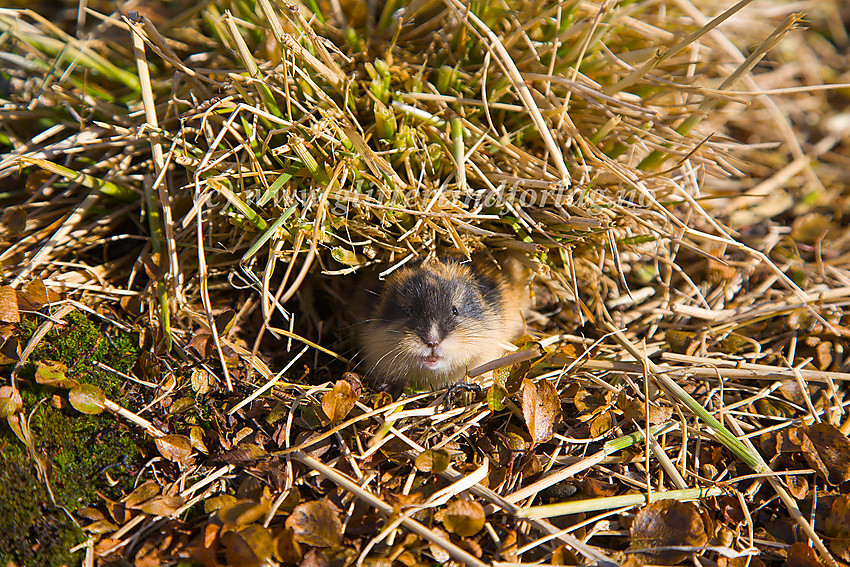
(676, 177)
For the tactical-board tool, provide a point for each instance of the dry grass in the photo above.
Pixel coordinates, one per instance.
(677, 176)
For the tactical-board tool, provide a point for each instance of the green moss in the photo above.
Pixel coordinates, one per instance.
(78, 344)
(85, 454)
(80, 450)
(33, 531)
(80, 447)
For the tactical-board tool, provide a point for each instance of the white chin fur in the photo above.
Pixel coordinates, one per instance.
(410, 361)
(434, 364)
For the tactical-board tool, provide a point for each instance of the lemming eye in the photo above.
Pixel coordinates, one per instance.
(454, 310)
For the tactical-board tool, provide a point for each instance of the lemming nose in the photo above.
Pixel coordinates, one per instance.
(432, 337)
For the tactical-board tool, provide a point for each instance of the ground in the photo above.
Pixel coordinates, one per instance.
(194, 192)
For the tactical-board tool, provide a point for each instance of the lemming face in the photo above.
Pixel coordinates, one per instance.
(433, 323)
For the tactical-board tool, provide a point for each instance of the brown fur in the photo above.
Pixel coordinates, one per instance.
(393, 349)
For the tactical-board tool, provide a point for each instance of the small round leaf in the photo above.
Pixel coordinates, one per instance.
(50, 373)
(87, 398)
(464, 518)
(175, 448)
(432, 460)
(316, 523)
(339, 401)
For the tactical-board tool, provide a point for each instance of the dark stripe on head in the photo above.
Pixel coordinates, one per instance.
(488, 286)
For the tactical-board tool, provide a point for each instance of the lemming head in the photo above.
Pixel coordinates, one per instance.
(432, 323)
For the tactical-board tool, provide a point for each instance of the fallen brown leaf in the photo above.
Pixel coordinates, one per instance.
(831, 454)
(541, 409)
(9, 305)
(801, 555)
(439, 554)
(10, 346)
(287, 548)
(667, 523)
(339, 401)
(431, 460)
(463, 517)
(635, 410)
(316, 523)
(10, 401)
(177, 448)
